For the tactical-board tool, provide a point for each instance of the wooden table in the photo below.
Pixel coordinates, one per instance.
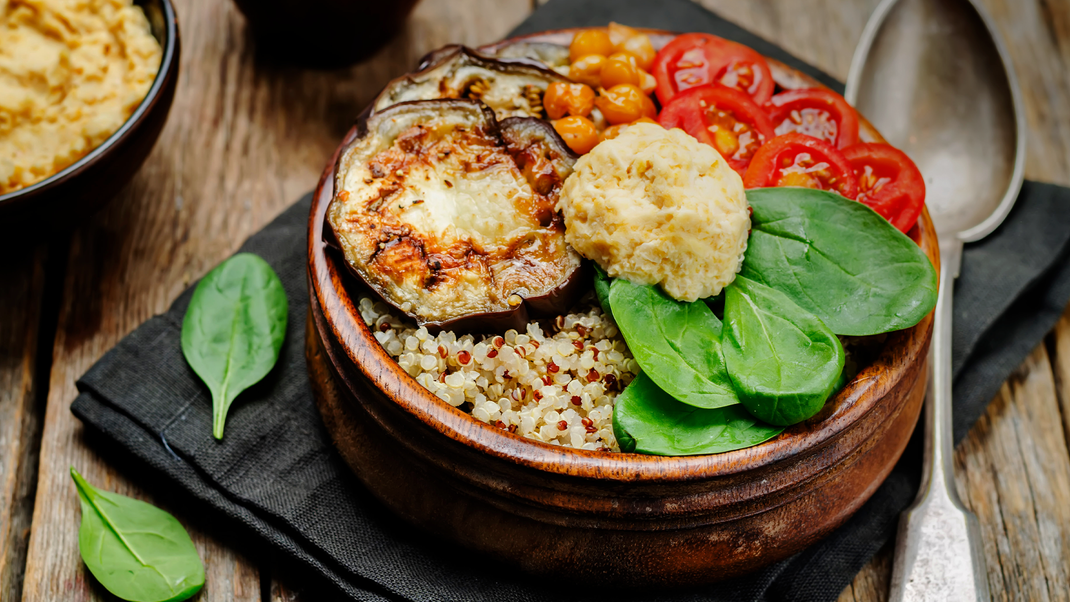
(245, 139)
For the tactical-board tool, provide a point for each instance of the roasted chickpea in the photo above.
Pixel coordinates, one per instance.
(613, 131)
(640, 47)
(625, 103)
(619, 33)
(570, 99)
(587, 69)
(589, 41)
(647, 83)
(620, 68)
(578, 133)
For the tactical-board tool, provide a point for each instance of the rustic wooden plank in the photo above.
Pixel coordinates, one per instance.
(1059, 344)
(22, 274)
(820, 32)
(1014, 473)
(243, 141)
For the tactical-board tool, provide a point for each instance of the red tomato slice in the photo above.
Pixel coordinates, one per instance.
(726, 119)
(815, 112)
(795, 159)
(888, 181)
(696, 59)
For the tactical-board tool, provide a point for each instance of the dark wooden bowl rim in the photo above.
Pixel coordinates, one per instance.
(167, 63)
(331, 281)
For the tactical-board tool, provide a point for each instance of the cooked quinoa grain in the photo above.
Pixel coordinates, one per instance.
(554, 387)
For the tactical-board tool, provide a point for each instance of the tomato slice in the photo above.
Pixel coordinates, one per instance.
(795, 159)
(888, 181)
(726, 119)
(696, 59)
(815, 112)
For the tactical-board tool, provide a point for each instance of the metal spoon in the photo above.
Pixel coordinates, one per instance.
(935, 79)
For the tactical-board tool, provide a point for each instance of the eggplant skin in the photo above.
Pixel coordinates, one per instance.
(512, 88)
(554, 56)
(448, 215)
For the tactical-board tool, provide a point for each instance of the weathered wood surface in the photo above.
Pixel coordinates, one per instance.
(21, 287)
(245, 139)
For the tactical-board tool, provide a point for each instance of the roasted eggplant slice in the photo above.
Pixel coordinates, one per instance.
(554, 56)
(449, 215)
(511, 88)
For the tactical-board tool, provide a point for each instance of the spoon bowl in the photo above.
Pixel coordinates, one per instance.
(930, 76)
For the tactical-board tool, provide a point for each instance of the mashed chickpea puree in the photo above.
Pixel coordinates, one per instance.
(71, 72)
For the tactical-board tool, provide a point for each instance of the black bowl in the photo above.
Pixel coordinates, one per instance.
(67, 197)
(323, 33)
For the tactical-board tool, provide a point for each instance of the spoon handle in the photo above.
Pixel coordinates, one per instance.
(938, 551)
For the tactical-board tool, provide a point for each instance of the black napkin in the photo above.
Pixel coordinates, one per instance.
(275, 483)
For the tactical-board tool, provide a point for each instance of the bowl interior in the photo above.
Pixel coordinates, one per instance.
(337, 295)
(163, 26)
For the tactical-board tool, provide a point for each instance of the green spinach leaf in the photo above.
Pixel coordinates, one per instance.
(137, 551)
(233, 329)
(602, 281)
(676, 344)
(783, 360)
(648, 421)
(838, 259)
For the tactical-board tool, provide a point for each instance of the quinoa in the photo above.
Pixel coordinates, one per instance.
(558, 387)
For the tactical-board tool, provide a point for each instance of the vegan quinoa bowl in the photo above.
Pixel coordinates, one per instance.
(504, 440)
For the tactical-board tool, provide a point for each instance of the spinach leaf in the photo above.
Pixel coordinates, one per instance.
(838, 259)
(648, 421)
(676, 344)
(233, 329)
(137, 551)
(602, 281)
(784, 362)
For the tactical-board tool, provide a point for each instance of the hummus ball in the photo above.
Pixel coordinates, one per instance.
(656, 206)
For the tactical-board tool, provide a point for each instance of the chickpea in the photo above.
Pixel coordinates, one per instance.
(625, 103)
(647, 83)
(618, 33)
(589, 41)
(587, 69)
(620, 68)
(640, 47)
(578, 133)
(613, 131)
(570, 99)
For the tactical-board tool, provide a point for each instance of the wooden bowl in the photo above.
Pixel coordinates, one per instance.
(67, 197)
(623, 519)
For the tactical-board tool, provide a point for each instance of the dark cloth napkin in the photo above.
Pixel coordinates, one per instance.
(275, 484)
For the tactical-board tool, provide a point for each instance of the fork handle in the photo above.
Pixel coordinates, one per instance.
(938, 550)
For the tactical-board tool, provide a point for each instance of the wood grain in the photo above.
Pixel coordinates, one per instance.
(245, 138)
(22, 275)
(1013, 471)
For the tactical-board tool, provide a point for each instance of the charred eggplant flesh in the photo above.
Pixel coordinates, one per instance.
(450, 215)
